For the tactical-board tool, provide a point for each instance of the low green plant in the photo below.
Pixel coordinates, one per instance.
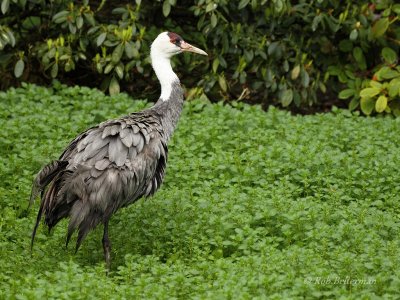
(255, 205)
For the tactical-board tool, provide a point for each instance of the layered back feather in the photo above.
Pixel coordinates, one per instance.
(107, 167)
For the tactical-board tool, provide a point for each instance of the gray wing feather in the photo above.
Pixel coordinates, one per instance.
(124, 132)
(105, 168)
(94, 154)
(95, 173)
(110, 130)
(132, 152)
(92, 136)
(102, 164)
(128, 138)
(97, 144)
(135, 128)
(146, 135)
(140, 145)
(117, 152)
(115, 129)
(136, 138)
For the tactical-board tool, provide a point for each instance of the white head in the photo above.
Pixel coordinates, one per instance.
(166, 45)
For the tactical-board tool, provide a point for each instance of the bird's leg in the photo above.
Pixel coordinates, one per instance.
(107, 247)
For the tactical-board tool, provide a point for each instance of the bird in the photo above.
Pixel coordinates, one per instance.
(115, 163)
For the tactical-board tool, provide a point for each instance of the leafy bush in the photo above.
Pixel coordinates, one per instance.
(373, 75)
(255, 205)
(383, 88)
(280, 52)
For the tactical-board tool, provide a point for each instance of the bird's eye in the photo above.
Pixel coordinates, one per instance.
(176, 42)
(175, 39)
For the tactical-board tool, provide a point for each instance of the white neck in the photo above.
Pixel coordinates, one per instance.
(162, 66)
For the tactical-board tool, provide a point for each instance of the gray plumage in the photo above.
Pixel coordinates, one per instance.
(108, 167)
(114, 164)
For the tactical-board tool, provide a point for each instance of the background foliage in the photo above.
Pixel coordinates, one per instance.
(291, 53)
(254, 205)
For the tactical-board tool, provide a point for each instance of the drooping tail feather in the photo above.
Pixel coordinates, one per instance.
(63, 194)
(43, 178)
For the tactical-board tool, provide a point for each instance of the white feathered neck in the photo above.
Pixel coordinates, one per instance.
(165, 74)
(161, 52)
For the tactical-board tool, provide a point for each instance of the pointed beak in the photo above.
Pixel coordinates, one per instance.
(189, 48)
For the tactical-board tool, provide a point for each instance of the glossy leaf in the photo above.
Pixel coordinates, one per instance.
(5, 4)
(354, 103)
(353, 35)
(108, 68)
(278, 5)
(79, 22)
(286, 97)
(129, 50)
(54, 70)
(117, 53)
(347, 93)
(369, 92)
(119, 69)
(305, 78)
(380, 27)
(360, 58)
(396, 9)
(11, 37)
(19, 68)
(389, 55)
(166, 8)
(243, 4)
(210, 6)
(99, 68)
(375, 84)
(215, 65)
(394, 88)
(381, 104)
(100, 39)
(60, 16)
(72, 28)
(273, 48)
(387, 73)
(90, 18)
(295, 72)
(367, 105)
(114, 88)
(222, 83)
(317, 19)
(214, 20)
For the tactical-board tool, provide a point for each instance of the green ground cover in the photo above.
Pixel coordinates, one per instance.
(255, 204)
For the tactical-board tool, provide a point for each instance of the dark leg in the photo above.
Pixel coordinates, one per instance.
(107, 247)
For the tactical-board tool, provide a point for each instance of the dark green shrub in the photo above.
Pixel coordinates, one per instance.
(271, 52)
(371, 70)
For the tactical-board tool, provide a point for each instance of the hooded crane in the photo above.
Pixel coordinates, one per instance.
(117, 162)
